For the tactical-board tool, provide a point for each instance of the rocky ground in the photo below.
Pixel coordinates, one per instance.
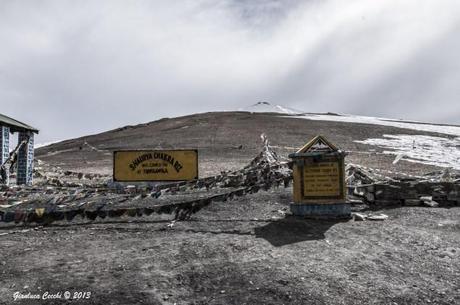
(245, 250)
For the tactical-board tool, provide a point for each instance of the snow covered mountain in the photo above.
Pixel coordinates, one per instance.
(267, 107)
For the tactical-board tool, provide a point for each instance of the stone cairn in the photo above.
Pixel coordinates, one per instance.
(432, 190)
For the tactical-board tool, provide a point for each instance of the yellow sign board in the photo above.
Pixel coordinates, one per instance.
(155, 165)
(319, 173)
(322, 179)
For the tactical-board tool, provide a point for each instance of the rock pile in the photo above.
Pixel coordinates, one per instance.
(430, 190)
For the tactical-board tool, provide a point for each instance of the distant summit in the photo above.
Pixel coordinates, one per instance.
(267, 107)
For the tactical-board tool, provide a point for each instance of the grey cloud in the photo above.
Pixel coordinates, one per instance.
(88, 66)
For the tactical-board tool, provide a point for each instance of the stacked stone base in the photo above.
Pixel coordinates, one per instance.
(322, 211)
(410, 193)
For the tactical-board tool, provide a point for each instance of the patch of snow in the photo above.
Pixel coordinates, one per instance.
(445, 129)
(438, 151)
(45, 144)
(267, 107)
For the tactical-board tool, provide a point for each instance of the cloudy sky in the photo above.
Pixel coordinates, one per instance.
(76, 67)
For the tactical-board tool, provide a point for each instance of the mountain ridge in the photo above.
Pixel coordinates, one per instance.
(230, 139)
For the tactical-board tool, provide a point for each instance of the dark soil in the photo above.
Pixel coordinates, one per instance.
(244, 251)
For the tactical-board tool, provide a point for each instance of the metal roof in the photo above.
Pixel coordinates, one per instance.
(15, 125)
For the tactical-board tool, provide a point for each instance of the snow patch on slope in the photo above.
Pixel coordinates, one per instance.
(39, 145)
(267, 107)
(445, 129)
(438, 151)
(432, 150)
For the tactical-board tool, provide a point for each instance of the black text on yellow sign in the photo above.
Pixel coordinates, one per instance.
(155, 165)
(322, 179)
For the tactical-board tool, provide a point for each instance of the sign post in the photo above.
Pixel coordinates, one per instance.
(155, 165)
(319, 180)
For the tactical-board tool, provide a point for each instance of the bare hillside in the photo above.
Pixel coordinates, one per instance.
(227, 140)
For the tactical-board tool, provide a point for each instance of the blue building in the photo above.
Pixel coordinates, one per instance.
(24, 150)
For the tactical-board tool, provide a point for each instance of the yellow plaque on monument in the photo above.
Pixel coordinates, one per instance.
(318, 170)
(321, 179)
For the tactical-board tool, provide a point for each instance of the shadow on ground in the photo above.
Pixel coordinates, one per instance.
(291, 230)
